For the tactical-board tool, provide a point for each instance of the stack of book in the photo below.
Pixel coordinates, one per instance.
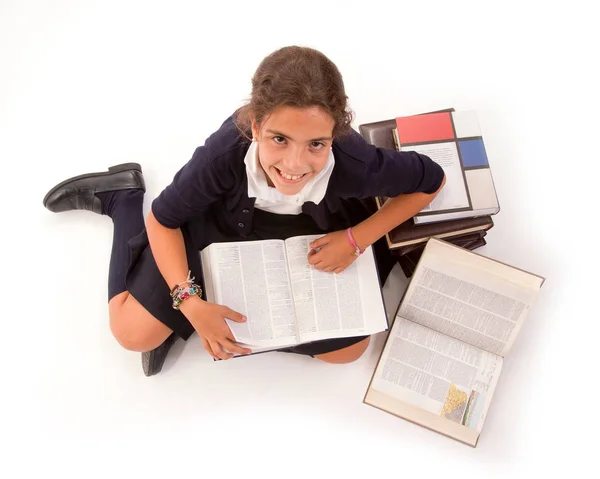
(462, 212)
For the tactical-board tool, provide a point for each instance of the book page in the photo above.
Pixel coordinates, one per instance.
(469, 297)
(436, 373)
(330, 305)
(454, 193)
(251, 277)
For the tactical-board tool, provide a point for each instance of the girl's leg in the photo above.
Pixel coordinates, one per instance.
(133, 326)
(336, 350)
(345, 355)
(118, 194)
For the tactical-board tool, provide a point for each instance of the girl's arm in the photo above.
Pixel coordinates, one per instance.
(208, 319)
(169, 253)
(393, 212)
(334, 252)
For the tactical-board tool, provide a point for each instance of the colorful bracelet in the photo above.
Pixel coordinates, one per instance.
(188, 280)
(357, 250)
(184, 290)
(184, 293)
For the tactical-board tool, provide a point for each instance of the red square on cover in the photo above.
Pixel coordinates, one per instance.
(424, 128)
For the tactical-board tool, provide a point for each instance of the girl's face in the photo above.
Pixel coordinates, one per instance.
(293, 146)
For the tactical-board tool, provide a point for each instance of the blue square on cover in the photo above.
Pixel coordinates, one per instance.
(473, 154)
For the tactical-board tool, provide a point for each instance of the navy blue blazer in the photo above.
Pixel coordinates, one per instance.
(216, 173)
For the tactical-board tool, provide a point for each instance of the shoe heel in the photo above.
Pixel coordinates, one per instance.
(125, 167)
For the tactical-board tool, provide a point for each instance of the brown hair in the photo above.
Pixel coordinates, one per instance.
(300, 77)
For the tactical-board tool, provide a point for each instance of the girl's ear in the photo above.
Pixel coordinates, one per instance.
(255, 131)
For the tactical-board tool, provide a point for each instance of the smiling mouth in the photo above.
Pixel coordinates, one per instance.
(289, 177)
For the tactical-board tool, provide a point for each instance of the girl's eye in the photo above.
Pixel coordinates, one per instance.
(280, 140)
(317, 145)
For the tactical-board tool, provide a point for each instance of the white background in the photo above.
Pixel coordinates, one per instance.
(85, 85)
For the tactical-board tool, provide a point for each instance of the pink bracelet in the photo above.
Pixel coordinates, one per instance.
(357, 251)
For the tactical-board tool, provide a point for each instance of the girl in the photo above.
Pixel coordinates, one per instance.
(287, 163)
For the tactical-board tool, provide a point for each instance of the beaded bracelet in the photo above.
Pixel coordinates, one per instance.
(184, 290)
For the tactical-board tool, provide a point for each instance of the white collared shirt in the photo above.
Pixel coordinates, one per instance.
(270, 199)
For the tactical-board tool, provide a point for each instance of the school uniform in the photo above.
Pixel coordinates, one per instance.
(221, 195)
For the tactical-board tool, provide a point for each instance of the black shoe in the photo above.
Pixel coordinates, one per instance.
(152, 361)
(79, 192)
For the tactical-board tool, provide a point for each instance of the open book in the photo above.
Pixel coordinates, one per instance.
(442, 358)
(286, 300)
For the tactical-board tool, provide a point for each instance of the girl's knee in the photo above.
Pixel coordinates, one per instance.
(129, 337)
(345, 355)
(135, 330)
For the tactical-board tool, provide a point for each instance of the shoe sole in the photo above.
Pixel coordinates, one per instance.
(111, 170)
(148, 371)
(150, 363)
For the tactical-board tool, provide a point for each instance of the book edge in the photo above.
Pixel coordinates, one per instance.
(542, 278)
(457, 437)
(424, 239)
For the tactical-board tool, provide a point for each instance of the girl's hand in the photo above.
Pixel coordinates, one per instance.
(332, 252)
(208, 319)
